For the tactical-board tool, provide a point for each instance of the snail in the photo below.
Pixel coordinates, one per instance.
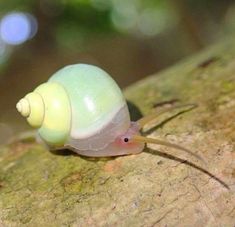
(82, 108)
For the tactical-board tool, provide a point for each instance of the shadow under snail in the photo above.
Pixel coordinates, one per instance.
(82, 108)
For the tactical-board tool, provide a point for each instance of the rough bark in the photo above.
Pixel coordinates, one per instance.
(41, 188)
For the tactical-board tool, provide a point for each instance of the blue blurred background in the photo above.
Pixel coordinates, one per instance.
(129, 39)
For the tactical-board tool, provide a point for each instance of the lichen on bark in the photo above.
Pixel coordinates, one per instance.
(41, 188)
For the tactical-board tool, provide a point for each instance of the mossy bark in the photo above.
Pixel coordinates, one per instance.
(41, 188)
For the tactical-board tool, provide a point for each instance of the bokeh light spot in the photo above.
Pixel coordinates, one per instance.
(16, 28)
(124, 16)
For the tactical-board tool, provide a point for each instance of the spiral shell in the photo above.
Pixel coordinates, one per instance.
(80, 107)
(43, 108)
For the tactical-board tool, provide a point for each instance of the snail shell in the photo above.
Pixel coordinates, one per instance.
(79, 107)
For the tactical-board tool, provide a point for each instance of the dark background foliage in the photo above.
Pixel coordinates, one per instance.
(129, 39)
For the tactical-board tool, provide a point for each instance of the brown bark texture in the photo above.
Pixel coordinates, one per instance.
(158, 187)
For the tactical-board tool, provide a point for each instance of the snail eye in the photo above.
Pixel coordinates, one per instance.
(126, 140)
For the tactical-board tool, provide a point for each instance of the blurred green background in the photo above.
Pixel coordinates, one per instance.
(129, 39)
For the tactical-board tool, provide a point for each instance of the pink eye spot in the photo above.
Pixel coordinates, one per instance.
(124, 141)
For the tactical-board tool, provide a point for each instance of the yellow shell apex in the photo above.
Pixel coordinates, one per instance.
(37, 109)
(32, 107)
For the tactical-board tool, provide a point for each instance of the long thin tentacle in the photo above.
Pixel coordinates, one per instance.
(144, 120)
(144, 139)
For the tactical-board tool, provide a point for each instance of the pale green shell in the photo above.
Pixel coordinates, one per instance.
(94, 96)
(80, 107)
